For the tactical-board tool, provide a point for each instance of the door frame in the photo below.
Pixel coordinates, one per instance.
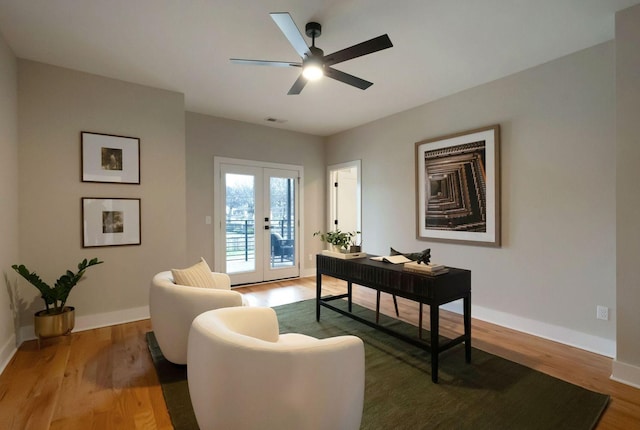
(218, 204)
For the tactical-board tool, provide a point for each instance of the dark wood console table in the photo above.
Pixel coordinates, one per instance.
(393, 279)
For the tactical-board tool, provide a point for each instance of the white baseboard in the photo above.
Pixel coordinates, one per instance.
(598, 345)
(7, 352)
(626, 373)
(88, 322)
(306, 272)
(621, 372)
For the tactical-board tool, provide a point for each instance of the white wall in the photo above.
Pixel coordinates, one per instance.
(54, 106)
(8, 197)
(557, 260)
(209, 136)
(627, 364)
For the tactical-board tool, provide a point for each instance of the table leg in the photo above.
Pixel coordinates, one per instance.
(395, 304)
(318, 293)
(349, 291)
(467, 327)
(434, 311)
(377, 306)
(420, 322)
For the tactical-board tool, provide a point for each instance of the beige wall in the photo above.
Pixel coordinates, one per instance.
(557, 260)
(627, 364)
(559, 186)
(209, 136)
(55, 105)
(8, 196)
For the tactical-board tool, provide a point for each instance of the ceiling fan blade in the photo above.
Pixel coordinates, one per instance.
(373, 45)
(298, 85)
(290, 31)
(265, 63)
(347, 78)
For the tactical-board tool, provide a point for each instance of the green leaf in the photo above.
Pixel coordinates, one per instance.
(63, 286)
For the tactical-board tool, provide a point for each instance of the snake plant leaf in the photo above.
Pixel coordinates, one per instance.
(56, 296)
(46, 292)
(32, 277)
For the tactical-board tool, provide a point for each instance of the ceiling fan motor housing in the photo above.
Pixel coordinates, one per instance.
(313, 30)
(315, 52)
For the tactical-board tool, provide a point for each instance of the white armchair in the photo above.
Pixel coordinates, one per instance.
(173, 308)
(244, 375)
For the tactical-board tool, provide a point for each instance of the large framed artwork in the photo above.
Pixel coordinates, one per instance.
(109, 158)
(110, 222)
(458, 187)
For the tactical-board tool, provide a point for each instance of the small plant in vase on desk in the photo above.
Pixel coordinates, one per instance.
(355, 245)
(339, 241)
(342, 244)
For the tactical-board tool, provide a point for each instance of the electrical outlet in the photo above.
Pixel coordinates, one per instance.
(602, 312)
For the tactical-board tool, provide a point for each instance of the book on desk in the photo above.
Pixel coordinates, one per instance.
(393, 259)
(430, 269)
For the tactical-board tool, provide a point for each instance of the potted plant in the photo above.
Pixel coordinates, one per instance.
(57, 318)
(339, 240)
(356, 245)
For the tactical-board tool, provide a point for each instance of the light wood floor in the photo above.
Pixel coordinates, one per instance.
(104, 378)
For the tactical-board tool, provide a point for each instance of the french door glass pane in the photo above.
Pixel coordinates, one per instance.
(282, 221)
(240, 223)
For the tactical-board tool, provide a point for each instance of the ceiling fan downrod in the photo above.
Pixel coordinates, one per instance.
(313, 30)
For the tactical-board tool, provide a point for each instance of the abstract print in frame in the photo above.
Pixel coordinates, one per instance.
(458, 187)
(110, 221)
(110, 158)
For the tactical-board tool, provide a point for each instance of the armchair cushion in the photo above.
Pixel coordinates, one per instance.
(198, 275)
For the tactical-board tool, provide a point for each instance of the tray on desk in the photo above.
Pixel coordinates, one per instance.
(344, 256)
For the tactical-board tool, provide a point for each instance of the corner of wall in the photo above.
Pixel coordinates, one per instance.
(626, 373)
(7, 352)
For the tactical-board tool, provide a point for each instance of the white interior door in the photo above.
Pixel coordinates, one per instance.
(344, 196)
(257, 221)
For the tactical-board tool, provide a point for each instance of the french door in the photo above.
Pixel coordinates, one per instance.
(257, 221)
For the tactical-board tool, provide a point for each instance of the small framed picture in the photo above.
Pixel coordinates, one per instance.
(109, 158)
(110, 222)
(458, 187)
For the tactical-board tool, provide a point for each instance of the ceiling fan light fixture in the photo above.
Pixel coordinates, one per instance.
(312, 71)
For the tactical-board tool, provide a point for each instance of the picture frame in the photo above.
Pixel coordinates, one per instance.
(458, 187)
(110, 158)
(110, 222)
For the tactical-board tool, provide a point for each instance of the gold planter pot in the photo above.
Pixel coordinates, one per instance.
(52, 325)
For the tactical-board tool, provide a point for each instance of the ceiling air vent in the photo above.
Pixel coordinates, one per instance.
(276, 120)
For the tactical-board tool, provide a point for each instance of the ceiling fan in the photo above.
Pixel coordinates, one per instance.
(314, 63)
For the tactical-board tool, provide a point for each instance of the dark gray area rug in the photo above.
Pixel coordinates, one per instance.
(489, 393)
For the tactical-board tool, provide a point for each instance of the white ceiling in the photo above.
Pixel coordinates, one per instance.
(440, 47)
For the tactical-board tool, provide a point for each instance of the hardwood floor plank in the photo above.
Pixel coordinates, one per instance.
(87, 382)
(105, 379)
(33, 394)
